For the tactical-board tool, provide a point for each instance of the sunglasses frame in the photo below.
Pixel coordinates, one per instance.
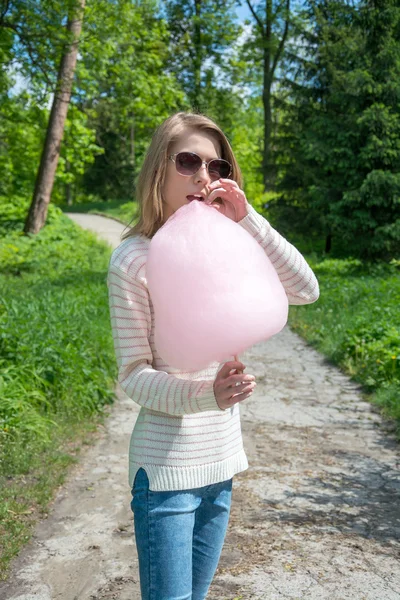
(203, 162)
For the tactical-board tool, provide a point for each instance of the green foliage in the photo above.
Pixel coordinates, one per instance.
(340, 143)
(336, 127)
(22, 130)
(79, 150)
(200, 32)
(57, 362)
(37, 41)
(246, 140)
(22, 126)
(128, 90)
(56, 352)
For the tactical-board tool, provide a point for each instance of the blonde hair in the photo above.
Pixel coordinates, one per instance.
(152, 174)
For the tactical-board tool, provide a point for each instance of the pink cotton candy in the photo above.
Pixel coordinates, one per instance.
(214, 290)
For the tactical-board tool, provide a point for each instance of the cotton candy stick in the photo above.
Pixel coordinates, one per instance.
(238, 371)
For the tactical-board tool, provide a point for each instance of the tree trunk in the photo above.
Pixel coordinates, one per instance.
(51, 151)
(328, 243)
(197, 99)
(267, 167)
(68, 194)
(267, 82)
(132, 188)
(270, 62)
(68, 186)
(132, 142)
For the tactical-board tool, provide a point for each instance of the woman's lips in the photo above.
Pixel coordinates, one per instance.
(217, 202)
(202, 196)
(192, 197)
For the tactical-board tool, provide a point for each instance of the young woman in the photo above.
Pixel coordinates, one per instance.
(186, 445)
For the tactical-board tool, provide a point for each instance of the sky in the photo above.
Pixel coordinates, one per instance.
(243, 12)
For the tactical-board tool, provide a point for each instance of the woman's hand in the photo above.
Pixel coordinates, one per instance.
(231, 202)
(231, 388)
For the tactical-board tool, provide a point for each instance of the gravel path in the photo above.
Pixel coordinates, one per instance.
(316, 515)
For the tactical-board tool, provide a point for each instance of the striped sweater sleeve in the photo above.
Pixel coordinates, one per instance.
(131, 324)
(296, 276)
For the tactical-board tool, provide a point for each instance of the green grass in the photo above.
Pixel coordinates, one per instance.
(30, 475)
(355, 323)
(57, 363)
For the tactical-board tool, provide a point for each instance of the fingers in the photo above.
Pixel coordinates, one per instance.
(226, 192)
(228, 366)
(214, 194)
(228, 396)
(219, 182)
(221, 185)
(232, 385)
(243, 388)
(235, 380)
(237, 385)
(239, 397)
(234, 202)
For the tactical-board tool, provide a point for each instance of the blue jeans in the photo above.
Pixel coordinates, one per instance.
(179, 538)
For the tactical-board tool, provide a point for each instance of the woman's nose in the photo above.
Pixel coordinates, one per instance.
(202, 174)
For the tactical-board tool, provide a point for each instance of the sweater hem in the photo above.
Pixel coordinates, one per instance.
(165, 478)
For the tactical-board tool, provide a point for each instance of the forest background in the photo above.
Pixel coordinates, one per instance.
(308, 94)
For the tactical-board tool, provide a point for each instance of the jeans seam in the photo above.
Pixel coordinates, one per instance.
(151, 595)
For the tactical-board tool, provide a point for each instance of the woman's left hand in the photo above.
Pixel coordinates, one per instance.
(231, 202)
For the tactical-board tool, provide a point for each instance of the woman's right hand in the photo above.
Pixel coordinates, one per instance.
(226, 392)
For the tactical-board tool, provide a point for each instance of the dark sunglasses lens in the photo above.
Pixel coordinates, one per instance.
(187, 163)
(219, 169)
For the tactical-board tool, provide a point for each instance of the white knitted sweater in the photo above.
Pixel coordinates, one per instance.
(181, 437)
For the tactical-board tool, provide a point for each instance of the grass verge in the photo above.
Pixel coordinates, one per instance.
(57, 363)
(355, 323)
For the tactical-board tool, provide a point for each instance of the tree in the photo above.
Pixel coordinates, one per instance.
(267, 48)
(33, 38)
(51, 152)
(125, 88)
(342, 131)
(200, 33)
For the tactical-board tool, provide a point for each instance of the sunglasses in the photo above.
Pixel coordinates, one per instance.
(188, 163)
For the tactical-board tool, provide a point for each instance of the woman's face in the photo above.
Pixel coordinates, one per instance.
(177, 187)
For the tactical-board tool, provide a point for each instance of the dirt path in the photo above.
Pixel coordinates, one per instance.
(316, 515)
